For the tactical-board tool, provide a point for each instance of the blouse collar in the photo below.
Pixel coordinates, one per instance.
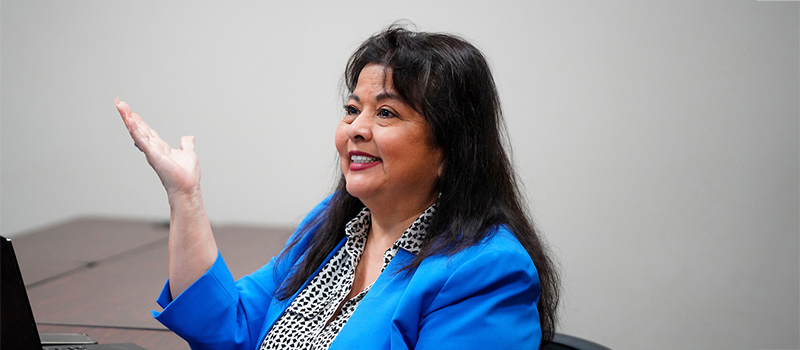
(411, 240)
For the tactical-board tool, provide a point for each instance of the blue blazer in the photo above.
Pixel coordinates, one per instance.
(483, 297)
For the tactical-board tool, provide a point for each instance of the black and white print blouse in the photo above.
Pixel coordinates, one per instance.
(303, 325)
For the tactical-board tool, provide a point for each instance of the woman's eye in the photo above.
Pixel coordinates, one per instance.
(385, 113)
(350, 110)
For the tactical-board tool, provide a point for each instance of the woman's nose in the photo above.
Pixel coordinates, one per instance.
(361, 128)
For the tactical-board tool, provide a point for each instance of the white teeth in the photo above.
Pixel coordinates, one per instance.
(363, 159)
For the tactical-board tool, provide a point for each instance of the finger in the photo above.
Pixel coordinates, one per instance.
(142, 134)
(125, 113)
(152, 133)
(123, 108)
(145, 130)
(144, 137)
(136, 117)
(141, 140)
(187, 143)
(138, 129)
(136, 123)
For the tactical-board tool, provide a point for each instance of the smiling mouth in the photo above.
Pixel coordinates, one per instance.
(359, 159)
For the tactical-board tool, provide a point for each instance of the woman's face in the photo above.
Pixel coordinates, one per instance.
(384, 145)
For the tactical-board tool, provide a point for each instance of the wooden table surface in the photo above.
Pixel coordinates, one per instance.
(101, 276)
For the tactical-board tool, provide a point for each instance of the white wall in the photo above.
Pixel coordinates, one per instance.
(657, 141)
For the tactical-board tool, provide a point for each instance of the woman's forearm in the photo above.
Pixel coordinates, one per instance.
(192, 248)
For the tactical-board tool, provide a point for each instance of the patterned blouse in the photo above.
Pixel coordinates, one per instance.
(303, 325)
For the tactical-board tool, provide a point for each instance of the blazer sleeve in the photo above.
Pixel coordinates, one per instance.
(216, 312)
(213, 311)
(488, 302)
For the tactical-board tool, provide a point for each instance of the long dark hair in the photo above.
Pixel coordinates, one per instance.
(448, 81)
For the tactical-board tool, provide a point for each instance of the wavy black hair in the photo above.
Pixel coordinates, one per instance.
(448, 81)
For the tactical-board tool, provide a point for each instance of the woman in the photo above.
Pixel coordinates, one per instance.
(425, 242)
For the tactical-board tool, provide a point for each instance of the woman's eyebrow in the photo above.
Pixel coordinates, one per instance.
(387, 96)
(382, 96)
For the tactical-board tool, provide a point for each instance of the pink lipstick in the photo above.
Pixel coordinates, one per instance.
(361, 160)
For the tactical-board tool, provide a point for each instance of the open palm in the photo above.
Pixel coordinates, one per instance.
(178, 169)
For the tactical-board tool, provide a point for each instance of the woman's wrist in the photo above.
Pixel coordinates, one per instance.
(185, 198)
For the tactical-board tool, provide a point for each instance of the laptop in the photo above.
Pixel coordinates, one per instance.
(17, 327)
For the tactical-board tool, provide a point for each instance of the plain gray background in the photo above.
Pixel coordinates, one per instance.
(657, 141)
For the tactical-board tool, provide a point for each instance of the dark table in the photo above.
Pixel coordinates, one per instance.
(101, 276)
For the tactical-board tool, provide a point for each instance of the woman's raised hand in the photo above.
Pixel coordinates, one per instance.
(178, 169)
(192, 249)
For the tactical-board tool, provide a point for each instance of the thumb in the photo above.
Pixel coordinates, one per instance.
(187, 143)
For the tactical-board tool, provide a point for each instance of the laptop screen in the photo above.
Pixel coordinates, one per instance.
(17, 326)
